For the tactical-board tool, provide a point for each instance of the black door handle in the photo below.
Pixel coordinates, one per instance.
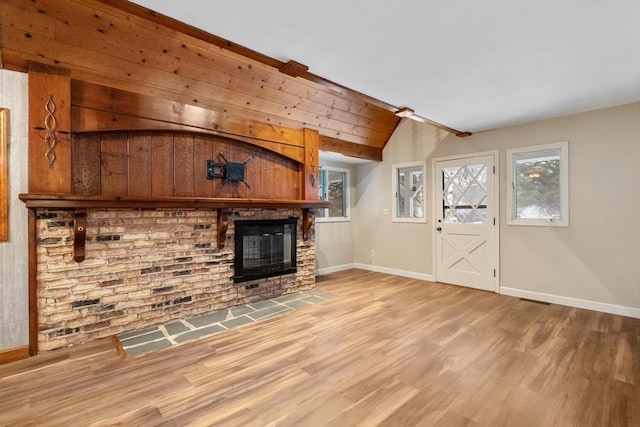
(439, 229)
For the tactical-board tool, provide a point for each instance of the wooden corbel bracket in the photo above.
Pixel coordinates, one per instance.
(222, 224)
(307, 222)
(79, 234)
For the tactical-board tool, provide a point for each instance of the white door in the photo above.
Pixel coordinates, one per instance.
(466, 234)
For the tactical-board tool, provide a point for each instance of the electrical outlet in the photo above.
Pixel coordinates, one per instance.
(373, 252)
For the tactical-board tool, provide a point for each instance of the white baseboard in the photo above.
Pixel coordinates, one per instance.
(335, 269)
(402, 273)
(573, 302)
(513, 292)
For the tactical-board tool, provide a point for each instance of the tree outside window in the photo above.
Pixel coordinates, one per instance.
(409, 192)
(334, 186)
(539, 190)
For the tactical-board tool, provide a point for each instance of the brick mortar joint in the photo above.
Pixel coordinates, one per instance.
(116, 282)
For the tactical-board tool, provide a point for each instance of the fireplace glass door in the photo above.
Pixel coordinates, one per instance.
(264, 248)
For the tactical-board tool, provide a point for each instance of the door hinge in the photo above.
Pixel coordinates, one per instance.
(494, 272)
(494, 170)
(494, 221)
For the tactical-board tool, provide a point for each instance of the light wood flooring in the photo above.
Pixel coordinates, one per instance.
(387, 351)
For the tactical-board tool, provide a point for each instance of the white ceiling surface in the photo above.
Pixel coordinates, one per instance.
(468, 64)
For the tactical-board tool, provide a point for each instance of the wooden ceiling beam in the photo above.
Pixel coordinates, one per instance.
(335, 145)
(293, 69)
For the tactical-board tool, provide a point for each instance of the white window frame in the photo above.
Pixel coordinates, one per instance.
(563, 148)
(346, 194)
(394, 192)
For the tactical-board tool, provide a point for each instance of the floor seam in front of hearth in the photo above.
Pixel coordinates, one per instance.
(179, 331)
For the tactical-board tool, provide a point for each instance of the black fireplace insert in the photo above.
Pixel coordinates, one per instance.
(264, 248)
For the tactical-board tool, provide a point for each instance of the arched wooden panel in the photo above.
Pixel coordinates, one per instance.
(174, 164)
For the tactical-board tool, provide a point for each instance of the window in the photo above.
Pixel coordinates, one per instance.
(333, 186)
(464, 194)
(408, 192)
(538, 191)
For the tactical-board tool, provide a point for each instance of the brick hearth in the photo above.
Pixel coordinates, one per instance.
(143, 268)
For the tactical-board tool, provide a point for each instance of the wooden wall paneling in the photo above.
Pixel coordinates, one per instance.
(286, 179)
(252, 171)
(87, 164)
(38, 23)
(162, 164)
(154, 107)
(183, 178)
(115, 165)
(83, 54)
(177, 49)
(202, 151)
(238, 153)
(310, 167)
(220, 107)
(267, 174)
(294, 172)
(92, 95)
(140, 162)
(49, 88)
(250, 64)
(32, 228)
(279, 178)
(220, 145)
(168, 164)
(141, 74)
(104, 121)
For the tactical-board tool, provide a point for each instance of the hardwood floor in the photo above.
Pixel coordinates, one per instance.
(387, 351)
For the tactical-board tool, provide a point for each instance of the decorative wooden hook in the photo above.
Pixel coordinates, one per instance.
(222, 224)
(307, 222)
(79, 234)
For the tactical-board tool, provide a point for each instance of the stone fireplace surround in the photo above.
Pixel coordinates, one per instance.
(144, 267)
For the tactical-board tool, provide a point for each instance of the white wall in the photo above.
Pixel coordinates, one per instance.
(334, 240)
(14, 327)
(593, 263)
(400, 248)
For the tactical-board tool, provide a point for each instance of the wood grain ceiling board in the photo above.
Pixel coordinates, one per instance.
(107, 45)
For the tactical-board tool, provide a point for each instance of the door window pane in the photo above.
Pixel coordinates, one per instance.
(465, 194)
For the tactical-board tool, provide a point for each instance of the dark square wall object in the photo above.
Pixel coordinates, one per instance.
(235, 172)
(214, 170)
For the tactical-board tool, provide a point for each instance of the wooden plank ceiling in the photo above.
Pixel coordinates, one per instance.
(119, 45)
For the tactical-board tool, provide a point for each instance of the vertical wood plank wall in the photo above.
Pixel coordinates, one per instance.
(311, 167)
(174, 164)
(44, 82)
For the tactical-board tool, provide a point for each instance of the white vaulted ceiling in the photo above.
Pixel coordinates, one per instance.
(467, 64)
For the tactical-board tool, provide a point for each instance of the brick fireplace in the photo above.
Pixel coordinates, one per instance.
(131, 214)
(144, 267)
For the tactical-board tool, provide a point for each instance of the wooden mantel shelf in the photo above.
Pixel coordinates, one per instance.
(63, 201)
(79, 205)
